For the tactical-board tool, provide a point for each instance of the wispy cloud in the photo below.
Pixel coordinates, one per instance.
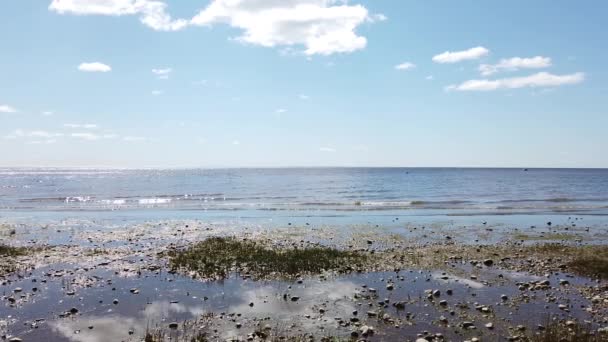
(405, 66)
(515, 63)
(303, 97)
(7, 109)
(157, 92)
(541, 79)
(162, 74)
(19, 133)
(85, 136)
(459, 56)
(94, 67)
(327, 149)
(86, 126)
(42, 142)
(133, 138)
(47, 113)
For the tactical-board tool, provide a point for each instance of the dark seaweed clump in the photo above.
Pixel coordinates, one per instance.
(217, 257)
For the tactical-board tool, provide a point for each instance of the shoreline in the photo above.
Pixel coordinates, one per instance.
(130, 265)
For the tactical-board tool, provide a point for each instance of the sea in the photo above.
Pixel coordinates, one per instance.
(343, 194)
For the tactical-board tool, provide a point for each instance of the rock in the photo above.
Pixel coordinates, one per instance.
(390, 286)
(115, 301)
(443, 303)
(295, 298)
(488, 262)
(73, 311)
(570, 323)
(504, 297)
(134, 291)
(372, 313)
(468, 325)
(490, 326)
(17, 290)
(173, 325)
(564, 282)
(366, 330)
(15, 339)
(436, 293)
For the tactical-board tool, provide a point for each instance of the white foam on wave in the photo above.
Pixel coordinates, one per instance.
(154, 201)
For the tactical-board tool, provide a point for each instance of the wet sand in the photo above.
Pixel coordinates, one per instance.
(83, 280)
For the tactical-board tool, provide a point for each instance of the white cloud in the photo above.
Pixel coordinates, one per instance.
(85, 136)
(541, 79)
(157, 92)
(327, 149)
(152, 13)
(405, 66)
(86, 126)
(19, 133)
(323, 27)
(47, 113)
(515, 63)
(459, 56)
(280, 111)
(7, 109)
(133, 138)
(42, 142)
(304, 97)
(162, 74)
(94, 67)
(430, 78)
(236, 142)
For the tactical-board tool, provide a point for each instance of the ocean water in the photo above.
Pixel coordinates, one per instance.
(450, 191)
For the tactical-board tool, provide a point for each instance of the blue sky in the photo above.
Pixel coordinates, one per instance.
(230, 83)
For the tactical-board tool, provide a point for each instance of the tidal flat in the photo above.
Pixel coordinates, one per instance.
(194, 280)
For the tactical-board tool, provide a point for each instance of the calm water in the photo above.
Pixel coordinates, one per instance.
(450, 190)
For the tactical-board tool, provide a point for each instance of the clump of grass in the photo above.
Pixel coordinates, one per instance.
(593, 265)
(6, 250)
(217, 257)
(557, 331)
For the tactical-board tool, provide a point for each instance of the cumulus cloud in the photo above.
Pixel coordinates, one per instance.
(405, 66)
(151, 13)
(541, 79)
(7, 109)
(323, 27)
(94, 67)
(514, 64)
(459, 56)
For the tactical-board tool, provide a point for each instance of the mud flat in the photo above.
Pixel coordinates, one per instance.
(188, 280)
